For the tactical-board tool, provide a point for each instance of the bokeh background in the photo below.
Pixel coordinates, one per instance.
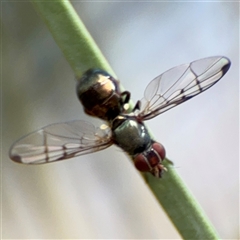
(102, 195)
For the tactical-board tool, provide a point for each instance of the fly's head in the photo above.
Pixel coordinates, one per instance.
(151, 160)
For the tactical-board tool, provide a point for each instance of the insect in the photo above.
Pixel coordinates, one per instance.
(101, 97)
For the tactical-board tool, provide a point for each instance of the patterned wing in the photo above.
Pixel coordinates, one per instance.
(180, 84)
(60, 141)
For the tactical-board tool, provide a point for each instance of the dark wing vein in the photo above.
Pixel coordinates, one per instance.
(60, 141)
(180, 84)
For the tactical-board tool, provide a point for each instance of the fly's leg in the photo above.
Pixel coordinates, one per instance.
(137, 106)
(158, 171)
(124, 100)
(125, 97)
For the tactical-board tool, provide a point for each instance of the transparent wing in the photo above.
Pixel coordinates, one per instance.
(180, 84)
(60, 141)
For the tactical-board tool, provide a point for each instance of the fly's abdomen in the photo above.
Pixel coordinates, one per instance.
(99, 94)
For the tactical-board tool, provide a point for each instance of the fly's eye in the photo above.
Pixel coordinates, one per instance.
(141, 163)
(159, 149)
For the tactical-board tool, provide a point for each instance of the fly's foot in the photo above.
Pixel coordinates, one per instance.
(158, 170)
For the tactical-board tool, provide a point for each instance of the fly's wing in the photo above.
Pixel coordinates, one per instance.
(180, 84)
(60, 141)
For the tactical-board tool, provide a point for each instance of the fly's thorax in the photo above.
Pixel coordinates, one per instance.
(130, 135)
(99, 94)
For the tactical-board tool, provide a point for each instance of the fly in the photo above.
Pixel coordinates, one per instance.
(101, 97)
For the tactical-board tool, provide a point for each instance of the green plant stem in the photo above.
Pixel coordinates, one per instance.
(71, 35)
(181, 207)
(82, 53)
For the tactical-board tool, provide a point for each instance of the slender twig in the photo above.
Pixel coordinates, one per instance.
(82, 53)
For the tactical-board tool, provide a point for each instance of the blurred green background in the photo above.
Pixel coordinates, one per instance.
(102, 195)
